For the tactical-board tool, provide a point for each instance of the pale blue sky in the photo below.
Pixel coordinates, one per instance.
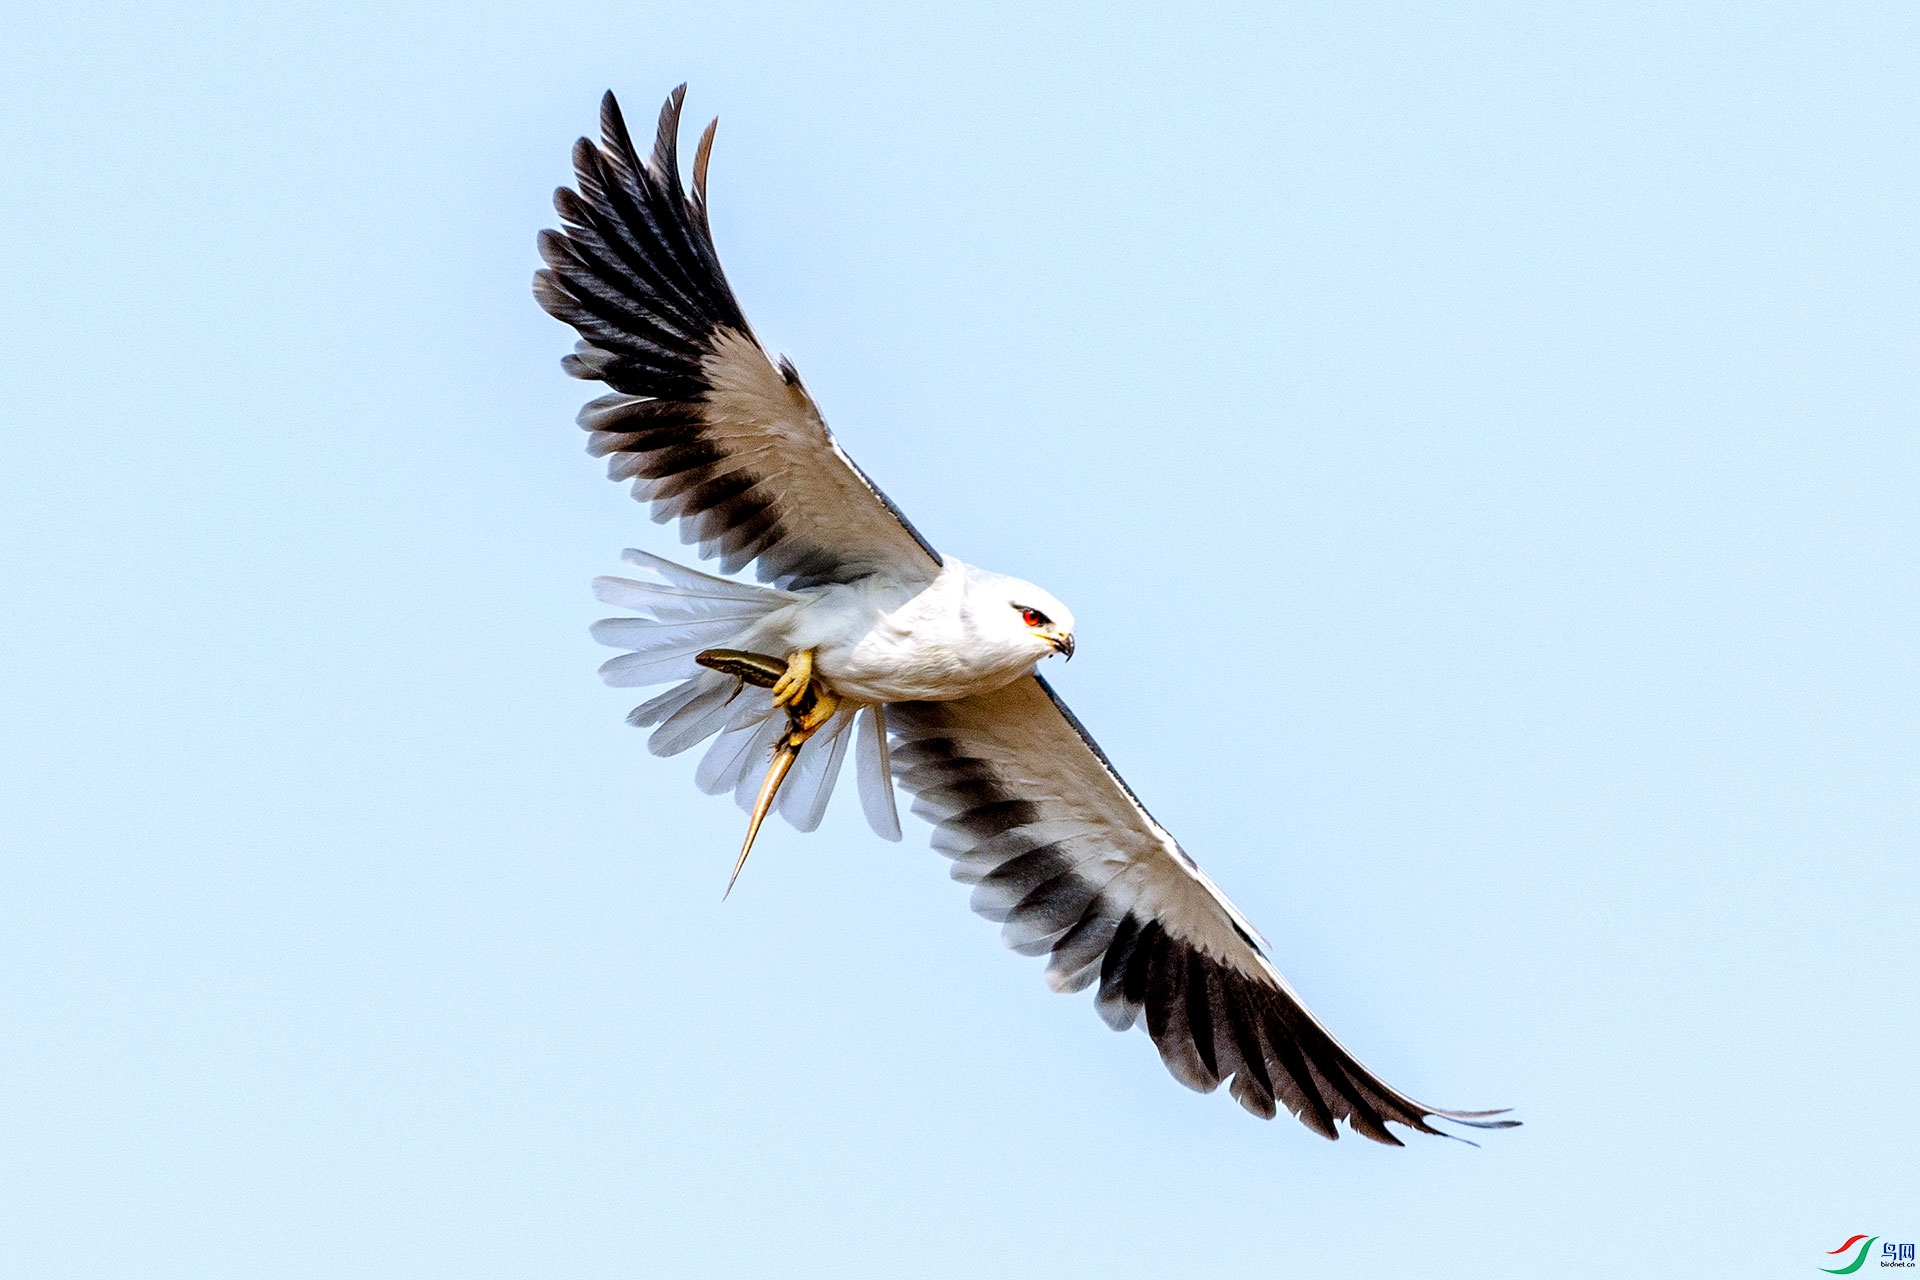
(1479, 445)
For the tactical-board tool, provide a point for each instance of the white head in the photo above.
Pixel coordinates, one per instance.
(1018, 615)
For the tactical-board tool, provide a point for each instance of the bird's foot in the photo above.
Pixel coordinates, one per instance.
(805, 719)
(792, 685)
(808, 701)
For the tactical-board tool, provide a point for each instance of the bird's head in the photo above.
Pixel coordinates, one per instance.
(1020, 614)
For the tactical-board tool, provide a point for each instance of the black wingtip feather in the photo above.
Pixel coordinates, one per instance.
(613, 124)
(666, 139)
(701, 156)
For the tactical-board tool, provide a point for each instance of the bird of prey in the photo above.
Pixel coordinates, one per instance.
(864, 637)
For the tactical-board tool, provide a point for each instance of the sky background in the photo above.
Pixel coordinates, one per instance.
(1479, 446)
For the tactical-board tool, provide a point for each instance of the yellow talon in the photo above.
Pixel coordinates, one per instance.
(791, 687)
(815, 713)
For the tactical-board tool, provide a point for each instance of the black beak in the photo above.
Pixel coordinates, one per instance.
(1062, 644)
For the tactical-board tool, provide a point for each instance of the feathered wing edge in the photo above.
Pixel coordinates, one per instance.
(1060, 852)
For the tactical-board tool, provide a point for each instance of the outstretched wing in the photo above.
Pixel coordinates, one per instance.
(711, 431)
(1061, 851)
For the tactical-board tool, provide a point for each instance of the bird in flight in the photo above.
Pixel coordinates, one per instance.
(864, 637)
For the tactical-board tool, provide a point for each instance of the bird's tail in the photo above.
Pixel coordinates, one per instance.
(682, 612)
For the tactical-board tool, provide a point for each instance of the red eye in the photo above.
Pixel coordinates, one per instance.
(1033, 617)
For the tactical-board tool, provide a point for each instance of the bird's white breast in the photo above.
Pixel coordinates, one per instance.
(878, 641)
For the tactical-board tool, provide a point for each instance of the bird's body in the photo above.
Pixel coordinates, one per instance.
(880, 641)
(922, 664)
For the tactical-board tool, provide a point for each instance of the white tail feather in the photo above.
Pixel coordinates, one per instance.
(697, 583)
(681, 614)
(670, 604)
(730, 757)
(874, 772)
(647, 635)
(694, 723)
(654, 710)
(633, 669)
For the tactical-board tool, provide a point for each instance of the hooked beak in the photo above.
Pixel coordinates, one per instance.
(1062, 644)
